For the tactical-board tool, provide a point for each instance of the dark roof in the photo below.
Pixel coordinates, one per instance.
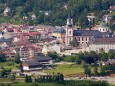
(103, 24)
(42, 58)
(105, 40)
(58, 29)
(5, 40)
(31, 63)
(94, 33)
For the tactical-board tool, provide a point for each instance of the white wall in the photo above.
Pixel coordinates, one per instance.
(25, 68)
(97, 47)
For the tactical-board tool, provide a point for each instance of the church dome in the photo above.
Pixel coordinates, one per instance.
(103, 27)
(103, 24)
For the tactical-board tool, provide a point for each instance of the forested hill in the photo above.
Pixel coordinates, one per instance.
(54, 12)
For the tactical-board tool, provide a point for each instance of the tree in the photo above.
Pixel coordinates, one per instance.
(2, 57)
(87, 71)
(74, 42)
(34, 84)
(102, 71)
(26, 78)
(104, 56)
(1, 84)
(95, 70)
(17, 58)
(70, 58)
(53, 55)
(29, 79)
(12, 77)
(2, 72)
(111, 55)
(79, 57)
(61, 77)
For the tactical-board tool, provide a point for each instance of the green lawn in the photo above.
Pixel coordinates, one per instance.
(9, 64)
(42, 84)
(67, 69)
(4, 80)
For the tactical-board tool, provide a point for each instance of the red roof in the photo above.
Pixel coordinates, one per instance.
(8, 51)
(31, 34)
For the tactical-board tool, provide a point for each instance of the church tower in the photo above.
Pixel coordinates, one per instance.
(69, 31)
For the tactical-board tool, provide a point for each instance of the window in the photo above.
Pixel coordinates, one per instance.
(78, 39)
(69, 32)
(82, 38)
(86, 38)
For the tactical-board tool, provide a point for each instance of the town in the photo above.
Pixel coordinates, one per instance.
(45, 53)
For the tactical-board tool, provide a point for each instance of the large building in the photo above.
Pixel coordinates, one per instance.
(37, 63)
(106, 44)
(84, 36)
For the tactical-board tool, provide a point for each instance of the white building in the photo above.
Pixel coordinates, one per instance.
(7, 11)
(102, 43)
(33, 16)
(51, 48)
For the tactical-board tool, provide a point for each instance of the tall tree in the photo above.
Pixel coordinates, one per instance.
(17, 58)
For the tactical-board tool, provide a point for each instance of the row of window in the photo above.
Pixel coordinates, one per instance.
(83, 38)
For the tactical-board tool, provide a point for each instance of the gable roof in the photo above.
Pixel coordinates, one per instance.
(32, 63)
(111, 61)
(94, 33)
(40, 58)
(5, 40)
(105, 40)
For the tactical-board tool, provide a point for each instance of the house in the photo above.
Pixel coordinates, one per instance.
(7, 11)
(33, 16)
(91, 18)
(54, 47)
(59, 33)
(107, 18)
(9, 53)
(105, 43)
(32, 37)
(8, 35)
(51, 48)
(3, 45)
(110, 62)
(111, 8)
(27, 51)
(37, 63)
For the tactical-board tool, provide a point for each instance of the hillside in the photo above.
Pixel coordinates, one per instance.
(53, 12)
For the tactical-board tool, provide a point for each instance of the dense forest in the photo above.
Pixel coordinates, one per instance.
(55, 12)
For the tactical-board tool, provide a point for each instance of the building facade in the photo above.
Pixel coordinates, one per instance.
(105, 44)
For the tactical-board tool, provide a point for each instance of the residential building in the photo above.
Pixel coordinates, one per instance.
(33, 16)
(7, 11)
(59, 33)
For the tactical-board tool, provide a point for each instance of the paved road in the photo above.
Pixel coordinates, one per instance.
(110, 80)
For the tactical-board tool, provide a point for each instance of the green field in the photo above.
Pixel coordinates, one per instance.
(9, 64)
(67, 69)
(67, 83)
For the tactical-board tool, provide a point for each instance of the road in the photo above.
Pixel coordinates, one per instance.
(110, 80)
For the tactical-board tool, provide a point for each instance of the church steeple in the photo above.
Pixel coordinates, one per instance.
(69, 21)
(69, 31)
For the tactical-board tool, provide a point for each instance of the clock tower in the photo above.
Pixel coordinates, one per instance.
(69, 31)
